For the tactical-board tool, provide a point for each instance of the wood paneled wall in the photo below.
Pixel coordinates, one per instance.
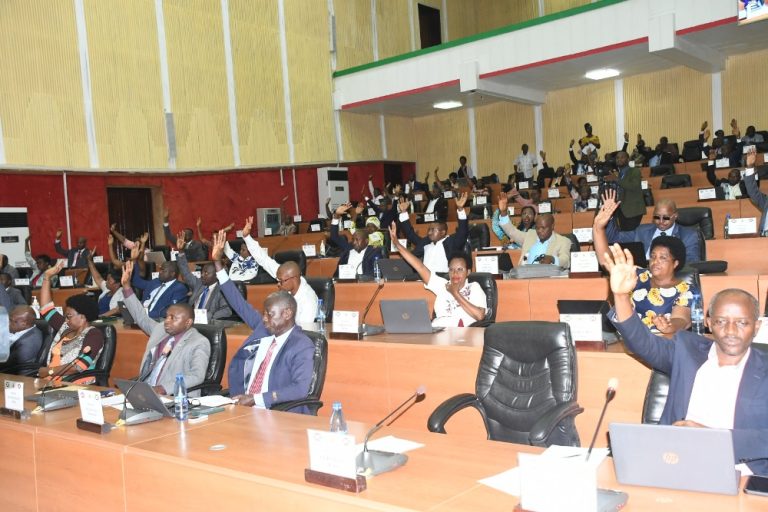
(502, 128)
(440, 140)
(744, 83)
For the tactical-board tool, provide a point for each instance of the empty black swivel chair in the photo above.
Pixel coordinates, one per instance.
(488, 284)
(104, 362)
(478, 212)
(655, 397)
(663, 170)
(320, 364)
(479, 236)
(526, 386)
(325, 290)
(575, 244)
(676, 181)
(217, 337)
(691, 150)
(700, 218)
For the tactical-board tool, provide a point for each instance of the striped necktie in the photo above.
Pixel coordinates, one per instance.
(255, 387)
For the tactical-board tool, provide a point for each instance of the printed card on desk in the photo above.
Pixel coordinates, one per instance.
(90, 406)
(63, 261)
(66, 281)
(448, 194)
(631, 163)
(644, 184)
(347, 272)
(545, 207)
(707, 193)
(522, 185)
(197, 274)
(747, 149)
(346, 321)
(332, 452)
(309, 250)
(488, 264)
(583, 235)
(584, 327)
(481, 200)
(742, 226)
(174, 254)
(297, 218)
(511, 210)
(21, 264)
(403, 242)
(584, 261)
(267, 231)
(371, 212)
(201, 316)
(418, 197)
(591, 204)
(429, 217)
(14, 395)
(21, 282)
(591, 178)
(314, 227)
(722, 163)
(553, 193)
(594, 189)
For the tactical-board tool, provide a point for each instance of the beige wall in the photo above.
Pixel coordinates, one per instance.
(501, 129)
(440, 140)
(745, 80)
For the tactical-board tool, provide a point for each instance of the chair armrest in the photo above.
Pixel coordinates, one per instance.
(444, 411)
(485, 322)
(207, 387)
(541, 430)
(311, 403)
(101, 376)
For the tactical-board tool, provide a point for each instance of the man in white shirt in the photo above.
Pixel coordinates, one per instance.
(288, 276)
(525, 164)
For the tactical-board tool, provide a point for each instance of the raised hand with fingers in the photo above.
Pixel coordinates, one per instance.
(606, 211)
(621, 266)
(503, 204)
(248, 226)
(180, 240)
(58, 234)
(404, 205)
(342, 209)
(219, 240)
(751, 158)
(125, 279)
(393, 236)
(461, 200)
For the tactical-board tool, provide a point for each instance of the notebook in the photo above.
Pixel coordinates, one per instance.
(682, 458)
(407, 317)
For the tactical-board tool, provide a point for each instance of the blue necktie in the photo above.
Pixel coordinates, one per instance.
(203, 296)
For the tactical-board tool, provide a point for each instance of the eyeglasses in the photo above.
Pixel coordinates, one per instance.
(663, 217)
(281, 282)
(456, 270)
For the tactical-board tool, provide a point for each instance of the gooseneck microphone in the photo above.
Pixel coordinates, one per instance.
(59, 402)
(371, 330)
(613, 384)
(374, 462)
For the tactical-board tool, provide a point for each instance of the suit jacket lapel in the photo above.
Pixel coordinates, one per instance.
(754, 374)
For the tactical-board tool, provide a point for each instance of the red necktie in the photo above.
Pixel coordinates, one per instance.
(461, 322)
(259, 379)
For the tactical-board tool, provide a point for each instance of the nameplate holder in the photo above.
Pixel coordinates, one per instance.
(297, 218)
(98, 259)
(722, 163)
(332, 461)
(314, 228)
(584, 327)
(201, 316)
(742, 227)
(14, 399)
(448, 194)
(346, 325)
(591, 178)
(66, 281)
(707, 194)
(347, 224)
(63, 261)
(511, 210)
(576, 483)
(155, 275)
(91, 411)
(403, 242)
(583, 235)
(747, 149)
(267, 231)
(479, 200)
(93, 427)
(310, 251)
(21, 282)
(591, 204)
(418, 197)
(545, 207)
(553, 193)
(347, 272)
(429, 217)
(488, 264)
(644, 184)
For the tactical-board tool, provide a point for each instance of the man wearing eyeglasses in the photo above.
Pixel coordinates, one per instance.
(664, 224)
(288, 276)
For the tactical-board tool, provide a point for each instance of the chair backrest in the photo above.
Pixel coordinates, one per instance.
(488, 284)
(107, 356)
(477, 212)
(648, 197)
(217, 337)
(319, 364)
(663, 170)
(242, 288)
(676, 181)
(691, 150)
(26, 292)
(324, 289)
(655, 397)
(575, 244)
(689, 275)
(297, 256)
(42, 355)
(526, 369)
(697, 216)
(479, 236)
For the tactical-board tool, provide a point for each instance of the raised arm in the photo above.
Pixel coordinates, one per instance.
(135, 307)
(112, 256)
(45, 289)
(416, 263)
(603, 217)
(57, 244)
(257, 251)
(335, 237)
(114, 232)
(190, 279)
(505, 223)
(98, 279)
(169, 236)
(200, 236)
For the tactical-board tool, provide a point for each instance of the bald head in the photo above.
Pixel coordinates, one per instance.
(21, 318)
(289, 277)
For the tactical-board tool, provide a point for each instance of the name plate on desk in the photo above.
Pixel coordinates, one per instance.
(511, 210)
(584, 327)
(371, 212)
(742, 226)
(66, 281)
(591, 178)
(595, 189)
(90, 406)
(297, 218)
(722, 163)
(267, 231)
(583, 235)
(21, 282)
(488, 264)
(346, 321)
(201, 316)
(707, 194)
(309, 250)
(522, 185)
(14, 395)
(98, 259)
(403, 242)
(448, 194)
(63, 261)
(347, 272)
(553, 193)
(332, 452)
(481, 200)
(747, 149)
(197, 274)
(644, 184)
(545, 207)
(429, 217)
(592, 204)
(314, 227)
(155, 275)
(418, 197)
(583, 261)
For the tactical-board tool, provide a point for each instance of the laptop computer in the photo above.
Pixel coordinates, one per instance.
(396, 269)
(638, 253)
(407, 317)
(682, 458)
(128, 320)
(147, 405)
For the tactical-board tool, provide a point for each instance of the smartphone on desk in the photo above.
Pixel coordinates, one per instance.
(757, 485)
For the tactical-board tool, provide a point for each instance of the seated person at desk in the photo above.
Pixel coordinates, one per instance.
(161, 292)
(527, 221)
(359, 254)
(457, 302)
(205, 289)
(77, 344)
(76, 256)
(288, 227)
(288, 276)
(194, 249)
(542, 245)
(111, 292)
(243, 266)
(435, 248)
(664, 223)
(660, 299)
(38, 264)
(7, 267)
(24, 337)
(14, 294)
(174, 346)
(731, 188)
(275, 363)
(716, 384)
(757, 197)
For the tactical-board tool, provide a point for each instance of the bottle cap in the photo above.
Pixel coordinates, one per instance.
(336, 406)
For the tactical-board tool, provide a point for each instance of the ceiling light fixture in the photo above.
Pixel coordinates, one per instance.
(599, 74)
(447, 105)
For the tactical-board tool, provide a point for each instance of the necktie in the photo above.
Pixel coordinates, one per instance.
(259, 379)
(203, 296)
(663, 233)
(157, 296)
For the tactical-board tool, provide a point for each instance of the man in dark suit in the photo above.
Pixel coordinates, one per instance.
(358, 253)
(77, 257)
(162, 292)
(25, 339)
(275, 363)
(435, 248)
(731, 188)
(720, 384)
(206, 293)
(664, 224)
(17, 299)
(757, 197)
(193, 249)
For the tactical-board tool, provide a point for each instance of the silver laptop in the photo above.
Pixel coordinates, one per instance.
(407, 317)
(396, 269)
(147, 405)
(682, 458)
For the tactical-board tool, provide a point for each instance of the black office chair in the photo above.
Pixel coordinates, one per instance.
(321, 223)
(675, 181)
(26, 292)
(298, 256)
(648, 197)
(655, 397)
(479, 236)
(217, 337)
(488, 284)
(697, 216)
(242, 287)
(325, 290)
(30, 369)
(663, 170)
(526, 386)
(104, 362)
(319, 366)
(575, 244)
(691, 150)
(479, 212)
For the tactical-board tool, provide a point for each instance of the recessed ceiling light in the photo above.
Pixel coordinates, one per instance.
(447, 105)
(599, 74)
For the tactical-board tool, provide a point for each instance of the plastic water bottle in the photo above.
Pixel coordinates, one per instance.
(180, 400)
(36, 307)
(320, 318)
(338, 423)
(725, 227)
(697, 315)
(485, 213)
(376, 270)
(322, 248)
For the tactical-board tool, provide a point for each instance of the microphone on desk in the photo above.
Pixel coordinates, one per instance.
(613, 384)
(371, 330)
(59, 403)
(140, 378)
(374, 462)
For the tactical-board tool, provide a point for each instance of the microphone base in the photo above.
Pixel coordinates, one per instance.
(133, 417)
(55, 403)
(364, 330)
(374, 462)
(371, 330)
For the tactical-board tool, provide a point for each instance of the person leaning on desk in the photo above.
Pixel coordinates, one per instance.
(717, 384)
